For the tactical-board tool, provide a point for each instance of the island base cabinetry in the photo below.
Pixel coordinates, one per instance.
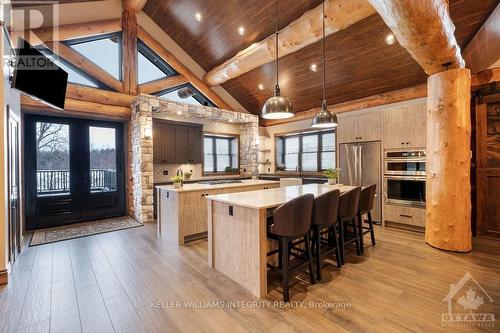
(247, 262)
(182, 215)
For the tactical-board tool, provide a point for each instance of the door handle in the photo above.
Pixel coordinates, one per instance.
(404, 215)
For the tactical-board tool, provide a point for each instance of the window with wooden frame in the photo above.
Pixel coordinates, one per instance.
(311, 151)
(221, 154)
(150, 66)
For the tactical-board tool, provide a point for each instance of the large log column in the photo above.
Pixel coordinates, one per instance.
(448, 192)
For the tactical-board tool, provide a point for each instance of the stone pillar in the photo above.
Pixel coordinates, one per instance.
(140, 189)
(249, 147)
(448, 190)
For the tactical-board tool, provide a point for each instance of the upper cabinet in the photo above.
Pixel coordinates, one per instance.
(177, 143)
(355, 126)
(405, 127)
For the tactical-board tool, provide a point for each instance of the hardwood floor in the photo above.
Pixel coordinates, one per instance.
(125, 281)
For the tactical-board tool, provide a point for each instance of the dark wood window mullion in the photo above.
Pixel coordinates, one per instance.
(319, 152)
(214, 152)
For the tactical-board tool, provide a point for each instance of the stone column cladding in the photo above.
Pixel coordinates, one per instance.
(140, 189)
(144, 109)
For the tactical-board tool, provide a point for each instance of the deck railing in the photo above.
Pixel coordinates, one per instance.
(57, 181)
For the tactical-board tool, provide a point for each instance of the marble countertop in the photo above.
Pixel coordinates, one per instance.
(275, 196)
(202, 187)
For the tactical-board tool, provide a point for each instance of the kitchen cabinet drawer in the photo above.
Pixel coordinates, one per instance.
(405, 215)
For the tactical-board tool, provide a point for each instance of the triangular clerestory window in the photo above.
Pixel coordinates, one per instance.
(150, 66)
(104, 51)
(75, 75)
(186, 94)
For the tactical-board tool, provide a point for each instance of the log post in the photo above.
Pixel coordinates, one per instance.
(129, 52)
(448, 191)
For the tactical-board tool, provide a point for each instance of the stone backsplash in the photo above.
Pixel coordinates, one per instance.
(196, 170)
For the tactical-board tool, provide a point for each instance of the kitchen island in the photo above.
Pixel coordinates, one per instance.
(182, 212)
(237, 235)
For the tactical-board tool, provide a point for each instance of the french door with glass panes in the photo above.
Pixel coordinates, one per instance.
(74, 170)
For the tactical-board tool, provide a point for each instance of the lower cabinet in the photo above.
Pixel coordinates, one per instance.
(402, 216)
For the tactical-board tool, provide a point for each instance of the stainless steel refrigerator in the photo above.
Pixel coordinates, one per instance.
(360, 165)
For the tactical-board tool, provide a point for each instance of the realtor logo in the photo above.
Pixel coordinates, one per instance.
(472, 301)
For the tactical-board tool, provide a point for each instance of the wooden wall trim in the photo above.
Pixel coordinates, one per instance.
(485, 77)
(180, 68)
(162, 84)
(357, 104)
(78, 60)
(82, 107)
(69, 31)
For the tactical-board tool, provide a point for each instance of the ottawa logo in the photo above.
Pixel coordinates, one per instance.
(473, 305)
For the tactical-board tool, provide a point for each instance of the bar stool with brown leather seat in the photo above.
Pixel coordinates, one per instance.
(324, 217)
(347, 216)
(366, 200)
(291, 221)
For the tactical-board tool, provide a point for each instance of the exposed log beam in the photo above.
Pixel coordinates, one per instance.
(66, 32)
(424, 28)
(357, 104)
(85, 64)
(80, 107)
(162, 84)
(484, 49)
(134, 5)
(180, 68)
(304, 31)
(129, 51)
(83, 93)
(485, 77)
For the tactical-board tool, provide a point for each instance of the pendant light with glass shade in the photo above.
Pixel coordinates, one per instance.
(324, 118)
(277, 107)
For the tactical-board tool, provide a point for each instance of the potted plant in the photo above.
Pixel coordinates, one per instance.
(187, 175)
(228, 169)
(332, 175)
(235, 170)
(177, 181)
(280, 168)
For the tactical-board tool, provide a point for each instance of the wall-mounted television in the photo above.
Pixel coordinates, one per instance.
(38, 76)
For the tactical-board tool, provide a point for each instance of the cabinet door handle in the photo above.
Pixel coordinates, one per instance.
(404, 215)
(402, 143)
(202, 194)
(407, 143)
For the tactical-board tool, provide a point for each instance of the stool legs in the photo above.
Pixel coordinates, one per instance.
(372, 231)
(309, 256)
(360, 233)
(284, 268)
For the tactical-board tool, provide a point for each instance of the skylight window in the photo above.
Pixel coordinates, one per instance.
(150, 66)
(105, 52)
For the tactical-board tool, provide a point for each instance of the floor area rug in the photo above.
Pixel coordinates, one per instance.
(57, 234)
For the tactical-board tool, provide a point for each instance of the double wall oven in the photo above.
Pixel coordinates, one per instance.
(404, 176)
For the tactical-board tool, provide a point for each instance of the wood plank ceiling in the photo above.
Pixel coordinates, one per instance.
(359, 62)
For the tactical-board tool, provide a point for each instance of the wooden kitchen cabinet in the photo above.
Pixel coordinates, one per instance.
(355, 127)
(405, 127)
(177, 143)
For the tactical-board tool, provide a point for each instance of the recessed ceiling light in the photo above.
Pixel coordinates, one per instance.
(390, 39)
(198, 16)
(261, 86)
(241, 30)
(313, 67)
